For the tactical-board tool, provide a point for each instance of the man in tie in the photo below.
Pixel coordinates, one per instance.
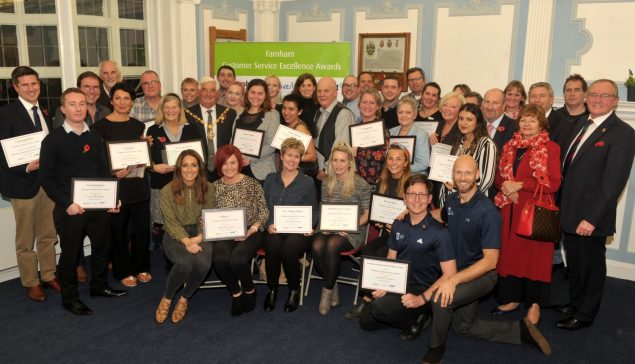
(350, 92)
(541, 94)
(214, 122)
(90, 84)
(390, 91)
(32, 208)
(499, 126)
(110, 75)
(416, 82)
(596, 167)
(332, 121)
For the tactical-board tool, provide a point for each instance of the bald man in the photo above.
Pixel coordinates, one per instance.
(332, 121)
(475, 227)
(499, 126)
(110, 74)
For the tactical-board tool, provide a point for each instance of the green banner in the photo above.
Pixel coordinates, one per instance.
(284, 58)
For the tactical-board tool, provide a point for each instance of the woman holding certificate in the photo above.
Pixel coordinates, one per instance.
(292, 110)
(129, 263)
(171, 127)
(306, 87)
(406, 113)
(370, 160)
(293, 213)
(182, 201)
(258, 116)
(528, 161)
(474, 141)
(341, 186)
(232, 258)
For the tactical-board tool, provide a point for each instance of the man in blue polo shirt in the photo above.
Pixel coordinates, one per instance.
(475, 226)
(424, 242)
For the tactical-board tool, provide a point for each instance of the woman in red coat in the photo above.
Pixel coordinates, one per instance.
(528, 161)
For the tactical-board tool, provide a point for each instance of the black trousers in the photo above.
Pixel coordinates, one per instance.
(232, 261)
(388, 311)
(285, 249)
(586, 260)
(72, 230)
(189, 269)
(461, 315)
(134, 258)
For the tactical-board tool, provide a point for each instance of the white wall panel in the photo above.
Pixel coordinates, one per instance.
(475, 50)
(209, 21)
(612, 52)
(314, 31)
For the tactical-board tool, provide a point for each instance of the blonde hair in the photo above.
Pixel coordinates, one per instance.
(450, 95)
(292, 143)
(349, 182)
(165, 99)
(278, 98)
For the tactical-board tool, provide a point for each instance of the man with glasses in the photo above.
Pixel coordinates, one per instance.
(145, 108)
(350, 93)
(596, 166)
(416, 82)
(90, 84)
(574, 109)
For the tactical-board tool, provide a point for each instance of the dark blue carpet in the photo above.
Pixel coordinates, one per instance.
(123, 330)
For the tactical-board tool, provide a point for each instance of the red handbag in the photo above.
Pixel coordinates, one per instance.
(540, 220)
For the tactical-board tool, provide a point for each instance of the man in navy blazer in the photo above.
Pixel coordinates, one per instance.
(541, 94)
(596, 165)
(32, 208)
(499, 126)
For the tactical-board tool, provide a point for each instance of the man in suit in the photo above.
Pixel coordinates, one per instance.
(541, 94)
(90, 84)
(110, 75)
(390, 91)
(574, 110)
(596, 165)
(215, 123)
(32, 208)
(499, 126)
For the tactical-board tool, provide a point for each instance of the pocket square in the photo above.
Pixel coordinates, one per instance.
(600, 143)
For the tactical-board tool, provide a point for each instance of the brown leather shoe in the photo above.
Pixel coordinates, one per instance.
(179, 310)
(53, 284)
(82, 276)
(36, 293)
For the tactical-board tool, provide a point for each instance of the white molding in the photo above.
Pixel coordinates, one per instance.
(266, 20)
(67, 34)
(620, 270)
(538, 42)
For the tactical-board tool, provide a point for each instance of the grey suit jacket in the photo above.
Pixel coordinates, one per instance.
(266, 164)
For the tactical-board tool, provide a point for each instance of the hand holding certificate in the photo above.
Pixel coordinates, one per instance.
(128, 153)
(385, 274)
(293, 219)
(429, 126)
(285, 132)
(22, 149)
(249, 142)
(339, 218)
(366, 135)
(224, 224)
(384, 209)
(441, 167)
(173, 150)
(95, 194)
(407, 142)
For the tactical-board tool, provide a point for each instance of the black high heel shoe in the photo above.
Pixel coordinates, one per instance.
(270, 299)
(292, 301)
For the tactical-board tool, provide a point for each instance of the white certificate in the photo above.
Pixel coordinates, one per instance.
(224, 224)
(128, 153)
(285, 132)
(148, 124)
(249, 142)
(339, 217)
(173, 150)
(429, 126)
(384, 209)
(385, 274)
(441, 167)
(22, 149)
(439, 148)
(407, 142)
(293, 219)
(366, 135)
(95, 194)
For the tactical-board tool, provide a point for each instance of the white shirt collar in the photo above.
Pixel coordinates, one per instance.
(28, 105)
(69, 129)
(600, 119)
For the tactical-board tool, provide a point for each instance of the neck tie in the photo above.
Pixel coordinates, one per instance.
(490, 129)
(36, 119)
(210, 142)
(574, 147)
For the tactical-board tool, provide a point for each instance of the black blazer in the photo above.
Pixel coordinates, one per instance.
(559, 129)
(505, 131)
(104, 100)
(224, 130)
(596, 176)
(15, 182)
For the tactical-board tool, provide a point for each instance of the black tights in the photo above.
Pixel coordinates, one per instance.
(285, 249)
(326, 255)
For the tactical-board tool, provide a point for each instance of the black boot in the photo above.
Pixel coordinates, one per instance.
(356, 311)
(237, 305)
(270, 300)
(249, 301)
(423, 321)
(292, 301)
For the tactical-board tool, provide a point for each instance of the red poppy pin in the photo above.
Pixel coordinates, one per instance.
(501, 129)
(162, 139)
(45, 112)
(600, 143)
(86, 148)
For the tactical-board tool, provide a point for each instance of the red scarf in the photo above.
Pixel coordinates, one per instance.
(537, 161)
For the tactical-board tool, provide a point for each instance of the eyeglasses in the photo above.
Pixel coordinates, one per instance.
(600, 96)
(349, 85)
(150, 83)
(414, 196)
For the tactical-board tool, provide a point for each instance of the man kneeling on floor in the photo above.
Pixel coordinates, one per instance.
(475, 229)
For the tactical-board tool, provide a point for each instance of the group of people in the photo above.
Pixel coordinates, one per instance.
(459, 236)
